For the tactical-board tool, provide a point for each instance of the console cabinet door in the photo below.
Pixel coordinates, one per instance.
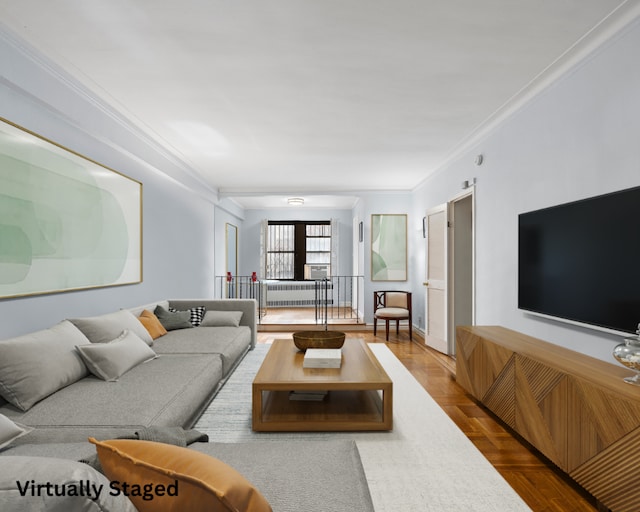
(572, 408)
(486, 371)
(541, 408)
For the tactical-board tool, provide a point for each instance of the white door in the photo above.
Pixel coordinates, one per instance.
(436, 300)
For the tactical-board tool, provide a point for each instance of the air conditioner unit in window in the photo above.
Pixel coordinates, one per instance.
(317, 271)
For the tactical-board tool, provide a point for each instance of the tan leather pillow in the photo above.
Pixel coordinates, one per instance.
(152, 324)
(178, 478)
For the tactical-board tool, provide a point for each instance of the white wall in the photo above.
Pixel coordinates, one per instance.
(578, 138)
(178, 217)
(396, 203)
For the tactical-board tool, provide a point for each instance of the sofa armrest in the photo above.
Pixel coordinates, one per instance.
(247, 306)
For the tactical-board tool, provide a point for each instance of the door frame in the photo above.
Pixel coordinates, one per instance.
(470, 245)
(467, 244)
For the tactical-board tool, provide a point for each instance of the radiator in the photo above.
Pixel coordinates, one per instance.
(296, 294)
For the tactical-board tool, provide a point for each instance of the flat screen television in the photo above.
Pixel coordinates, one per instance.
(580, 262)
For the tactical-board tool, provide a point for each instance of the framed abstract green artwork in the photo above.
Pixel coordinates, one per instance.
(66, 222)
(389, 247)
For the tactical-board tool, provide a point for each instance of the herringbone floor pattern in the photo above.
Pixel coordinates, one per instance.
(542, 487)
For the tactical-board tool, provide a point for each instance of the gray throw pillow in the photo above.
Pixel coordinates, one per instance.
(172, 320)
(20, 476)
(35, 365)
(196, 314)
(10, 431)
(104, 328)
(108, 361)
(221, 319)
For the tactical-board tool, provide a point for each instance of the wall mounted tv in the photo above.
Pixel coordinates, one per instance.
(580, 262)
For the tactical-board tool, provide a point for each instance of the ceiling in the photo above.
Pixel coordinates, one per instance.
(322, 99)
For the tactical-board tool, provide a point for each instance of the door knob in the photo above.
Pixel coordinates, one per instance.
(426, 283)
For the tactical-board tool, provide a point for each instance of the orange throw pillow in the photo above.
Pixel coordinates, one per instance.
(175, 478)
(152, 324)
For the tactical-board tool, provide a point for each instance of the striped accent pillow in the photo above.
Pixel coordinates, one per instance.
(196, 314)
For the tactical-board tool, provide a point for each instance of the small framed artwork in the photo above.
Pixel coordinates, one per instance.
(388, 247)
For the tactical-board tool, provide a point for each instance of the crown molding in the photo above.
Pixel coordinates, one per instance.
(140, 134)
(607, 30)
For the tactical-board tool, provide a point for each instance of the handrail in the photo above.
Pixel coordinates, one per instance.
(336, 297)
(241, 287)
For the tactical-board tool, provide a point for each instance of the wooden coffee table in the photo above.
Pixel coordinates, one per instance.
(360, 393)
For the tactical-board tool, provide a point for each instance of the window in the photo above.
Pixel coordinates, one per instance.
(293, 244)
(281, 251)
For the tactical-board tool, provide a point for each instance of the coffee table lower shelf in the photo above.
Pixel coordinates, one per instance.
(341, 410)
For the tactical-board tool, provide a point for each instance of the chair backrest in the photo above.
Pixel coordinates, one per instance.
(396, 300)
(391, 299)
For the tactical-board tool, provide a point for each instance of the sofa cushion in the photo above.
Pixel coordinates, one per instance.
(70, 451)
(189, 480)
(104, 328)
(35, 365)
(152, 324)
(137, 310)
(10, 431)
(196, 314)
(172, 320)
(168, 391)
(301, 465)
(249, 308)
(230, 343)
(292, 487)
(108, 361)
(222, 319)
(19, 476)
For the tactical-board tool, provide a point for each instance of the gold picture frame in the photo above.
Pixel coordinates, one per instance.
(66, 222)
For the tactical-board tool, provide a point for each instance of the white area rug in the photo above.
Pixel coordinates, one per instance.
(425, 464)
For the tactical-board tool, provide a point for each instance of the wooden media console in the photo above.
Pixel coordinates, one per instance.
(575, 409)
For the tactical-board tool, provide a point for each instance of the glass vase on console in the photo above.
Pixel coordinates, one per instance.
(628, 354)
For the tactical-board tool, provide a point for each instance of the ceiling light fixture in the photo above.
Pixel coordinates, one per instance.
(295, 201)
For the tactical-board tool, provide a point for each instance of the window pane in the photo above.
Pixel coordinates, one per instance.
(318, 257)
(319, 230)
(281, 237)
(280, 265)
(280, 256)
(318, 244)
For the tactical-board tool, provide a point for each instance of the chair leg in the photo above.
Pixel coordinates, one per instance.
(397, 327)
(387, 328)
(410, 330)
(375, 325)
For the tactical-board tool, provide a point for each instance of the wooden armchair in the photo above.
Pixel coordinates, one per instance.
(392, 305)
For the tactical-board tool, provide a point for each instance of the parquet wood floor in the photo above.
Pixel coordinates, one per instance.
(535, 479)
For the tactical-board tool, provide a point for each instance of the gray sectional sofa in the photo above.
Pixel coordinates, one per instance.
(48, 389)
(170, 390)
